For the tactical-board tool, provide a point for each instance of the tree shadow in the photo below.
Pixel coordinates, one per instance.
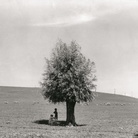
(42, 122)
(45, 122)
(58, 123)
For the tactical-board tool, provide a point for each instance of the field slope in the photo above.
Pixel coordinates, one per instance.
(24, 114)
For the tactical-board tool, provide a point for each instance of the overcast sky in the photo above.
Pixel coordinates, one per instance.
(106, 30)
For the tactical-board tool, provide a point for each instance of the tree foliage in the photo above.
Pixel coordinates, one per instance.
(68, 76)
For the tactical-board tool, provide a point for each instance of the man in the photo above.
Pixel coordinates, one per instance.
(56, 114)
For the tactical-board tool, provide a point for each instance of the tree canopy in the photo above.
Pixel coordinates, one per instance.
(68, 75)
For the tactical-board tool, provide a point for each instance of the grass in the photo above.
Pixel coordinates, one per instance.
(24, 114)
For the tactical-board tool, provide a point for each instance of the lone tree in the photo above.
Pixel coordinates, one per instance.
(68, 78)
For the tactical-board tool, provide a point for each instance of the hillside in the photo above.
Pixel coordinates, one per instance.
(17, 89)
(25, 113)
(99, 96)
(113, 98)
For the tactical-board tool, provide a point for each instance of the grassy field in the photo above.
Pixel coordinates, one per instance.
(24, 114)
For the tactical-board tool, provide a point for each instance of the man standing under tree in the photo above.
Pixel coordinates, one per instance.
(56, 114)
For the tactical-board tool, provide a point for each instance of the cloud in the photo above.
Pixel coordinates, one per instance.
(59, 12)
(78, 12)
(67, 21)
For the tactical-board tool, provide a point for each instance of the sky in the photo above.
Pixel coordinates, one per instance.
(106, 30)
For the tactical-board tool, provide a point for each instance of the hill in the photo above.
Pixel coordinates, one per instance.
(107, 97)
(100, 97)
(25, 113)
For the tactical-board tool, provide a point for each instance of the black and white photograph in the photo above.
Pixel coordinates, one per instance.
(68, 68)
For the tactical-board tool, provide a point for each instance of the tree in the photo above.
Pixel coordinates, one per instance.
(68, 77)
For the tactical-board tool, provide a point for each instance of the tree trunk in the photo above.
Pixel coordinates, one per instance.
(70, 106)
